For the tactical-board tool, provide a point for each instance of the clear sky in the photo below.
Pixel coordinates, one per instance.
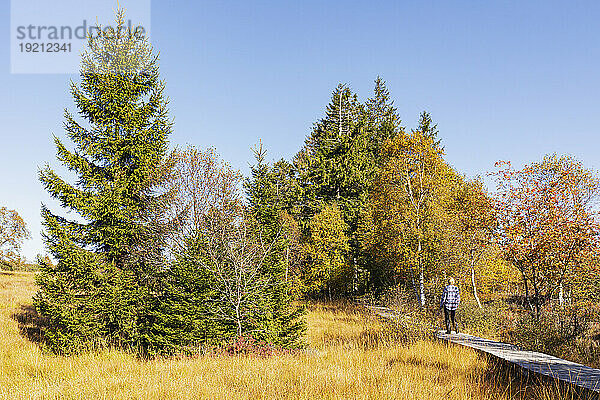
(509, 80)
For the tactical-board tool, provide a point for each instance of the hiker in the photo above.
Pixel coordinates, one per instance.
(450, 302)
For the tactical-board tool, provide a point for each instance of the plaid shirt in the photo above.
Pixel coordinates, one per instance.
(450, 297)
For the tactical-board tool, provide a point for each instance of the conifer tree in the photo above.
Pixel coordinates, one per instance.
(101, 290)
(268, 193)
(382, 117)
(330, 165)
(340, 160)
(322, 164)
(428, 128)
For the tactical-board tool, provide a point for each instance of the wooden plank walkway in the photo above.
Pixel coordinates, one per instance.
(540, 363)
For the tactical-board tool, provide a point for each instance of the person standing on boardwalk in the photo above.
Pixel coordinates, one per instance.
(450, 302)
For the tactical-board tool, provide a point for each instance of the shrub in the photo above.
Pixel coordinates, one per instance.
(563, 332)
(488, 321)
(412, 322)
(537, 333)
(18, 266)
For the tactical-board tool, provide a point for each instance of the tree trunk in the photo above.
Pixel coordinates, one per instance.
(355, 279)
(414, 285)
(421, 276)
(527, 293)
(561, 296)
(474, 286)
(239, 321)
(287, 262)
(537, 301)
(422, 288)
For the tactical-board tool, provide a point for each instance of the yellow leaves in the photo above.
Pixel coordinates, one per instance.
(327, 249)
(416, 145)
(410, 200)
(13, 231)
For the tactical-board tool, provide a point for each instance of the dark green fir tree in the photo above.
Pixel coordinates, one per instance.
(269, 191)
(325, 165)
(108, 252)
(429, 128)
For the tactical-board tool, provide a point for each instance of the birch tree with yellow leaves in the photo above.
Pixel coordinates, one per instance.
(404, 199)
(470, 227)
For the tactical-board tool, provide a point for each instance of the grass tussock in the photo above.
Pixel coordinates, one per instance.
(349, 355)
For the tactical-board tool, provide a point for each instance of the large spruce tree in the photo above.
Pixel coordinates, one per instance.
(109, 250)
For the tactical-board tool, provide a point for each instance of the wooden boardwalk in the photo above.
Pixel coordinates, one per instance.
(540, 363)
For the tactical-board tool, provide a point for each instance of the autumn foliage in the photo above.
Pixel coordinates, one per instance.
(326, 250)
(547, 226)
(173, 251)
(13, 231)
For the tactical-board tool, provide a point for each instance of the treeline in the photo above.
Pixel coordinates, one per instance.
(179, 252)
(377, 205)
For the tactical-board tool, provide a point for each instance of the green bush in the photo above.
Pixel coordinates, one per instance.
(539, 334)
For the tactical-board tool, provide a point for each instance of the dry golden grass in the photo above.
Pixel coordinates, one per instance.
(348, 356)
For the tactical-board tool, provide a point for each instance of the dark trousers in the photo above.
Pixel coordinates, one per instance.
(450, 317)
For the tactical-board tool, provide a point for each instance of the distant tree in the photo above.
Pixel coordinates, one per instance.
(294, 252)
(327, 271)
(217, 288)
(340, 160)
(13, 231)
(231, 274)
(103, 288)
(547, 225)
(429, 128)
(242, 288)
(326, 171)
(382, 120)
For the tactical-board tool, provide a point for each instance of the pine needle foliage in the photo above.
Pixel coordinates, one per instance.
(103, 286)
(339, 163)
(282, 319)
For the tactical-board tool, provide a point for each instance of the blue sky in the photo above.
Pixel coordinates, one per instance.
(503, 80)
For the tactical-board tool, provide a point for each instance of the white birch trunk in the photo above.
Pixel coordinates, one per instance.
(561, 295)
(421, 277)
(475, 287)
(422, 288)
